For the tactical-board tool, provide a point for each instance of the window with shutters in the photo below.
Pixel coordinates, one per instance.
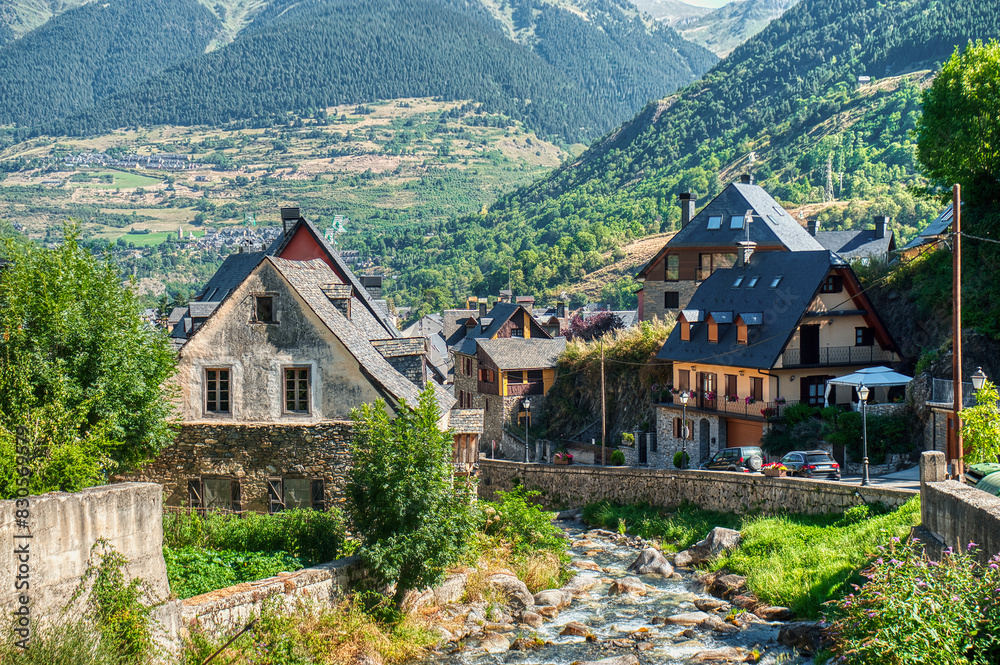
(680, 431)
(292, 493)
(218, 493)
(673, 267)
(296, 390)
(684, 380)
(217, 390)
(731, 385)
(671, 299)
(757, 387)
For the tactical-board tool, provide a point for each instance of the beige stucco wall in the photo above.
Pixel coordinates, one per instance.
(257, 354)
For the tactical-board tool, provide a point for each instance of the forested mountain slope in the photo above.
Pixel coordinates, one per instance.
(790, 95)
(730, 25)
(18, 17)
(91, 52)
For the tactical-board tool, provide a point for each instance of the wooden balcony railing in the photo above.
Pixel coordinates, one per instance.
(838, 355)
(530, 388)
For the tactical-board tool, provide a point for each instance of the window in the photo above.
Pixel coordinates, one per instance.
(263, 309)
(671, 300)
(517, 332)
(292, 493)
(487, 376)
(535, 375)
(757, 387)
(739, 280)
(683, 380)
(833, 284)
(217, 391)
(673, 267)
(736, 222)
(864, 337)
(515, 377)
(685, 330)
(680, 432)
(753, 282)
(741, 333)
(467, 362)
(713, 331)
(731, 390)
(297, 390)
(715, 222)
(776, 281)
(215, 494)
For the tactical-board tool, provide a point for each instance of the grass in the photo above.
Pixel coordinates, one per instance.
(122, 180)
(794, 561)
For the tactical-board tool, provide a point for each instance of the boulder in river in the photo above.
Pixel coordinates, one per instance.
(627, 659)
(806, 636)
(513, 589)
(630, 586)
(494, 643)
(531, 619)
(554, 597)
(576, 629)
(651, 561)
(710, 604)
(724, 585)
(770, 613)
(719, 540)
(686, 619)
(725, 655)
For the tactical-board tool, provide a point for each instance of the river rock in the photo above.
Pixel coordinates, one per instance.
(626, 659)
(555, 597)
(725, 654)
(686, 619)
(451, 590)
(806, 636)
(724, 585)
(526, 644)
(770, 613)
(494, 643)
(587, 565)
(576, 629)
(630, 586)
(717, 625)
(513, 589)
(683, 559)
(550, 612)
(651, 561)
(710, 604)
(745, 601)
(531, 619)
(718, 540)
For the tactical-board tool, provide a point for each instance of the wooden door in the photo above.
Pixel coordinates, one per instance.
(809, 344)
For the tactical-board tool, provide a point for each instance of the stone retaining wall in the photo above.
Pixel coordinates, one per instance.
(574, 486)
(229, 609)
(956, 514)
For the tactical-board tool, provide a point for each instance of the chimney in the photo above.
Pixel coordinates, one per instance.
(482, 309)
(561, 310)
(881, 225)
(744, 253)
(746, 179)
(688, 202)
(289, 215)
(813, 226)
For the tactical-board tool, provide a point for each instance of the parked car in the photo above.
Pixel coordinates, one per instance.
(743, 458)
(812, 464)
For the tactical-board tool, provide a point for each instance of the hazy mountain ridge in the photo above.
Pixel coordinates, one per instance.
(725, 28)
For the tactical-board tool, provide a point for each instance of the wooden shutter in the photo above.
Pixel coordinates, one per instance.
(275, 496)
(196, 494)
(319, 494)
(234, 495)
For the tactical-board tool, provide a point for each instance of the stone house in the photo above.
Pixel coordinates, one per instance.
(863, 245)
(766, 333)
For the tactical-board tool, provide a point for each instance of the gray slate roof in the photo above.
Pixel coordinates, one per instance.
(520, 353)
(495, 319)
(857, 244)
(802, 274)
(466, 421)
(936, 228)
(230, 274)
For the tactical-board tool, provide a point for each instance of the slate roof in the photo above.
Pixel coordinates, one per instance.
(520, 353)
(857, 244)
(230, 274)
(778, 310)
(772, 226)
(495, 319)
(466, 421)
(935, 229)
(308, 279)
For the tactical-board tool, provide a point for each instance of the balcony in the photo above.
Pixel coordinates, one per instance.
(837, 355)
(757, 410)
(529, 388)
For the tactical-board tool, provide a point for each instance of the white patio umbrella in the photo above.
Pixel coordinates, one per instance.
(882, 378)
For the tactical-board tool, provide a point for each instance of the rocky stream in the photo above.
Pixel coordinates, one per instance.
(617, 611)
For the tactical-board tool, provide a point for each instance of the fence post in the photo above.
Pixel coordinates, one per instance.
(932, 470)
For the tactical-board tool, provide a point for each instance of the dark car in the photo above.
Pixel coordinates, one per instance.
(742, 458)
(812, 464)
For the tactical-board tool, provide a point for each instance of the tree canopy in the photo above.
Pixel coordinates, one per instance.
(82, 375)
(959, 134)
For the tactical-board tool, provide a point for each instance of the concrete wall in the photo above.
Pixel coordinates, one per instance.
(252, 454)
(574, 486)
(231, 608)
(956, 514)
(64, 527)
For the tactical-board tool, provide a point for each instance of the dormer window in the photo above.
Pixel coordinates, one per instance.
(685, 328)
(776, 281)
(713, 330)
(753, 282)
(714, 222)
(263, 309)
(741, 332)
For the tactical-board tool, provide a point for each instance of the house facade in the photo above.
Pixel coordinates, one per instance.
(759, 336)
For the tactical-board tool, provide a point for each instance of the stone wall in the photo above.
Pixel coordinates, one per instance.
(668, 444)
(652, 305)
(575, 486)
(63, 527)
(956, 514)
(227, 610)
(251, 454)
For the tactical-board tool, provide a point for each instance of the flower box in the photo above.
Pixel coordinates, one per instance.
(775, 473)
(563, 461)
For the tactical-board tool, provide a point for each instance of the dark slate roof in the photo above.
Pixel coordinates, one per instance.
(520, 353)
(857, 244)
(772, 226)
(466, 421)
(936, 228)
(308, 279)
(230, 274)
(202, 309)
(495, 319)
(802, 274)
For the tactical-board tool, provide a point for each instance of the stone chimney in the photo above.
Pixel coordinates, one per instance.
(561, 310)
(746, 179)
(813, 226)
(688, 203)
(288, 218)
(881, 226)
(744, 252)
(482, 309)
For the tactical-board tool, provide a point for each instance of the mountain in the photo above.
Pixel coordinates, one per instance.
(672, 12)
(571, 70)
(790, 95)
(18, 17)
(730, 25)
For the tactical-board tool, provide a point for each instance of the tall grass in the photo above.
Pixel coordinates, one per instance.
(676, 529)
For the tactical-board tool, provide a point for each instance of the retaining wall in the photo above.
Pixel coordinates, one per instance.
(954, 513)
(574, 486)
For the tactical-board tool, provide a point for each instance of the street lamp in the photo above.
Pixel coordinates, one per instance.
(863, 394)
(527, 415)
(978, 379)
(684, 428)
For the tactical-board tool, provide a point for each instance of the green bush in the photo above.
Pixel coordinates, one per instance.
(311, 535)
(518, 521)
(889, 434)
(797, 413)
(916, 611)
(617, 458)
(196, 570)
(681, 460)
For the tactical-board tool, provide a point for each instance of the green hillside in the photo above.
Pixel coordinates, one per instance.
(730, 25)
(790, 95)
(88, 53)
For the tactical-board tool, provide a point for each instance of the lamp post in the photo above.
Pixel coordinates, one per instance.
(684, 428)
(863, 394)
(978, 379)
(527, 416)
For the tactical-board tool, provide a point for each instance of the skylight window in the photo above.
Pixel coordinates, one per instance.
(753, 282)
(739, 280)
(736, 222)
(714, 222)
(777, 280)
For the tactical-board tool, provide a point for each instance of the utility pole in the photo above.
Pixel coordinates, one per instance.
(956, 335)
(604, 425)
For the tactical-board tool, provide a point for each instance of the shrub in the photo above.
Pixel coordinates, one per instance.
(913, 610)
(617, 458)
(196, 570)
(681, 460)
(518, 521)
(889, 434)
